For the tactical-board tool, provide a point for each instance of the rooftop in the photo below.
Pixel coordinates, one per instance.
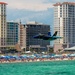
(71, 48)
(35, 23)
(59, 4)
(3, 3)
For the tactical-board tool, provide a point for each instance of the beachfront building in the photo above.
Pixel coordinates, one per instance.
(12, 34)
(64, 23)
(31, 29)
(3, 26)
(22, 36)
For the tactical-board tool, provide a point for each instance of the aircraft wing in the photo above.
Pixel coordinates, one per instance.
(47, 37)
(39, 36)
(57, 37)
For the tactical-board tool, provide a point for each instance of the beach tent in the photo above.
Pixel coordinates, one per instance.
(71, 48)
(72, 55)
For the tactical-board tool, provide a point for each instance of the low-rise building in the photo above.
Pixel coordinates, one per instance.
(12, 34)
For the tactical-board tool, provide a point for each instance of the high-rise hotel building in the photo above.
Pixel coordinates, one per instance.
(64, 22)
(3, 26)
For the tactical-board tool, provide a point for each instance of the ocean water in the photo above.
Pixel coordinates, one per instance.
(38, 68)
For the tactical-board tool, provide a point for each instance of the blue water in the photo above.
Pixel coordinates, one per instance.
(38, 68)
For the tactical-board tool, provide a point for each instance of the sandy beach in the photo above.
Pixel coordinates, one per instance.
(20, 59)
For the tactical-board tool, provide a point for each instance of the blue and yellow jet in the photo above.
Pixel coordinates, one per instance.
(48, 37)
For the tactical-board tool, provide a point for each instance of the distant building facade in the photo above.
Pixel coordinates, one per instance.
(3, 26)
(22, 36)
(12, 34)
(64, 22)
(31, 29)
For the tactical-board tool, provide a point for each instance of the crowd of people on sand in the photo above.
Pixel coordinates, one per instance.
(35, 57)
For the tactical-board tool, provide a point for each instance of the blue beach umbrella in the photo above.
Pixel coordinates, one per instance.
(24, 56)
(17, 57)
(57, 56)
(7, 57)
(45, 56)
(37, 55)
(2, 57)
(32, 56)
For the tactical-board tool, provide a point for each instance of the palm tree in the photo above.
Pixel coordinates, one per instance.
(51, 50)
(59, 50)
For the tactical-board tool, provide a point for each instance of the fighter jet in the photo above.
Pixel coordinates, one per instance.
(47, 37)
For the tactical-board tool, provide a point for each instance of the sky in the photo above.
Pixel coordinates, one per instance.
(32, 10)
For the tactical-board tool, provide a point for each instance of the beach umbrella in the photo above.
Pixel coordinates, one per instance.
(37, 55)
(32, 56)
(51, 55)
(7, 57)
(2, 57)
(24, 56)
(17, 57)
(45, 56)
(68, 55)
(57, 56)
(12, 57)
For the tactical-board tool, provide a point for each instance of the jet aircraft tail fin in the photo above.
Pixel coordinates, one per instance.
(55, 33)
(49, 33)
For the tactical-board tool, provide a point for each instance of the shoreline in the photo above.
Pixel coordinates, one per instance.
(36, 60)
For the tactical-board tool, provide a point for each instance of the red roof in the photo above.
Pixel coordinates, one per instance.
(70, 3)
(3, 3)
(57, 4)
